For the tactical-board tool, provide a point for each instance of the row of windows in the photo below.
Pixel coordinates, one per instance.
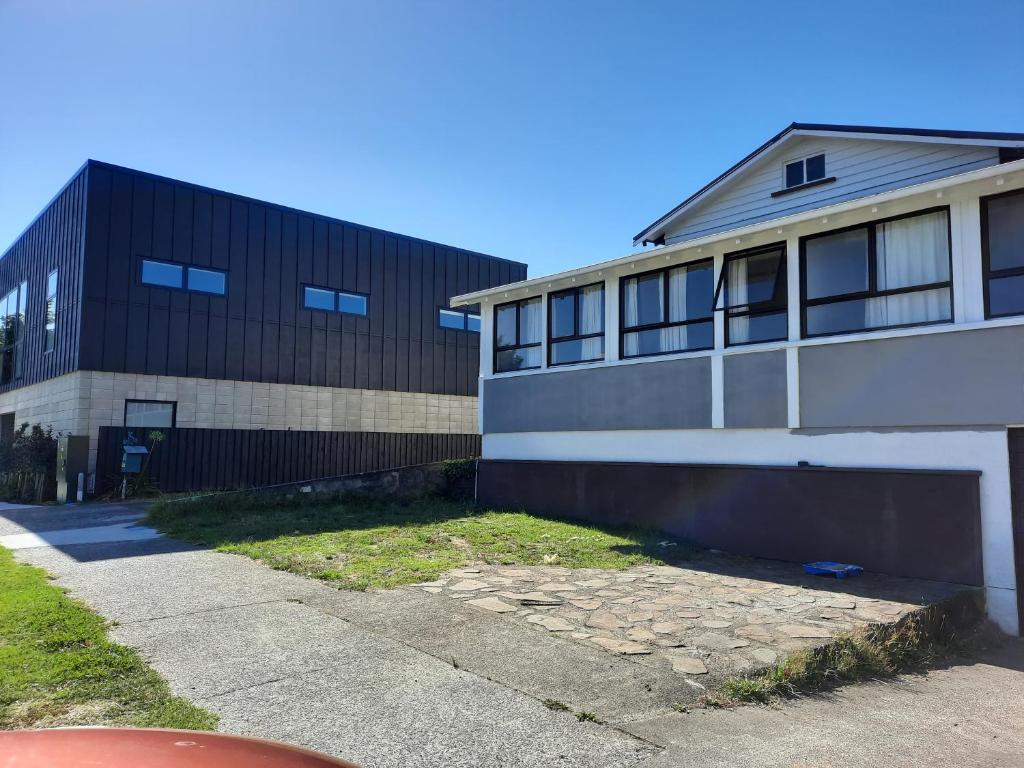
(195, 279)
(214, 282)
(328, 300)
(13, 313)
(458, 320)
(890, 273)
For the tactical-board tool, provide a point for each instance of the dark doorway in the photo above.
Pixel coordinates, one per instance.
(6, 428)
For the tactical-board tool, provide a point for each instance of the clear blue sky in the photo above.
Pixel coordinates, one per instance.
(537, 130)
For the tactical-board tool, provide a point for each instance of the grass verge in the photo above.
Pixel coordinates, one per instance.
(912, 644)
(360, 542)
(58, 668)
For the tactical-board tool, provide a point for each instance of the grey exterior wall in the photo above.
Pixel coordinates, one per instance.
(755, 389)
(55, 240)
(964, 378)
(260, 331)
(669, 394)
(861, 167)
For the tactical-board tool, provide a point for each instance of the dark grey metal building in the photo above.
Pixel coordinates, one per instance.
(141, 301)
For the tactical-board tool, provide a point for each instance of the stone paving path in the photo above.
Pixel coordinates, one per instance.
(726, 615)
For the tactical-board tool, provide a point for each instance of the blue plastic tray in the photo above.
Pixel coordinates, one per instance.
(828, 568)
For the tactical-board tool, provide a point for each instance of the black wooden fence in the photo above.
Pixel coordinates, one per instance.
(222, 459)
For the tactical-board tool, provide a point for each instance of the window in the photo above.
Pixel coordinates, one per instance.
(352, 303)
(207, 281)
(1002, 244)
(50, 327)
(149, 413)
(668, 310)
(12, 333)
(200, 279)
(319, 298)
(517, 335)
(886, 274)
(805, 170)
(162, 274)
(458, 319)
(576, 325)
(334, 301)
(752, 292)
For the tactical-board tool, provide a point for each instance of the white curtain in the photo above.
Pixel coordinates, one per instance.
(673, 339)
(530, 322)
(910, 252)
(632, 314)
(736, 295)
(591, 314)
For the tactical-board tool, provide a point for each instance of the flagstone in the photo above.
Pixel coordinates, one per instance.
(551, 623)
(492, 604)
(717, 642)
(687, 665)
(621, 646)
(468, 585)
(802, 631)
(605, 620)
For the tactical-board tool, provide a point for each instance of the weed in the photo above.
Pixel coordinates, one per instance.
(556, 705)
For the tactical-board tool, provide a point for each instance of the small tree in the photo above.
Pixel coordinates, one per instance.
(139, 485)
(29, 463)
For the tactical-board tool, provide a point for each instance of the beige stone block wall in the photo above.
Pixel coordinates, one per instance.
(82, 402)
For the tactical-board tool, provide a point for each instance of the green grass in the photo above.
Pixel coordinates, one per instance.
(57, 666)
(879, 651)
(359, 542)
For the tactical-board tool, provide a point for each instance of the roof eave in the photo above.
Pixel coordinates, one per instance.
(745, 231)
(982, 138)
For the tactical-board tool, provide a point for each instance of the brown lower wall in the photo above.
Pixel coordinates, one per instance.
(916, 523)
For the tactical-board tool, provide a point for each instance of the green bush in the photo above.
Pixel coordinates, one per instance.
(28, 464)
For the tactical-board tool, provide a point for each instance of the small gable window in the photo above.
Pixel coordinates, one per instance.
(805, 170)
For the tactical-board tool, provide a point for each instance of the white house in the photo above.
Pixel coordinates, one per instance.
(822, 358)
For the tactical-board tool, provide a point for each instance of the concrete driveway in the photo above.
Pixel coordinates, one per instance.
(403, 678)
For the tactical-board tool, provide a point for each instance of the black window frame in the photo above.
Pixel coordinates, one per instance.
(466, 314)
(516, 303)
(803, 171)
(50, 312)
(872, 291)
(172, 403)
(337, 293)
(665, 303)
(987, 272)
(770, 306)
(185, 270)
(576, 335)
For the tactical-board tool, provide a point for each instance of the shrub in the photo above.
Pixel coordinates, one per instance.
(28, 464)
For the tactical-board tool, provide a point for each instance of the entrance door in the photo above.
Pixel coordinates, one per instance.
(6, 428)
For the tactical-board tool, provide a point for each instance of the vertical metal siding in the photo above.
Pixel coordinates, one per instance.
(55, 240)
(222, 459)
(260, 331)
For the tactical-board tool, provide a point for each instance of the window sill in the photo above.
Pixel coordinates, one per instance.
(806, 185)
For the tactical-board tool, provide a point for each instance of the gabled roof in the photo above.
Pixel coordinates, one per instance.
(984, 138)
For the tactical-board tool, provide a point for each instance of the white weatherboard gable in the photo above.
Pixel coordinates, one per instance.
(861, 166)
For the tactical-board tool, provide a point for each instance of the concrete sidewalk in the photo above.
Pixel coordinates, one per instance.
(401, 678)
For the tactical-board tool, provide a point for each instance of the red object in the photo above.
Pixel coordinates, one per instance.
(151, 748)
